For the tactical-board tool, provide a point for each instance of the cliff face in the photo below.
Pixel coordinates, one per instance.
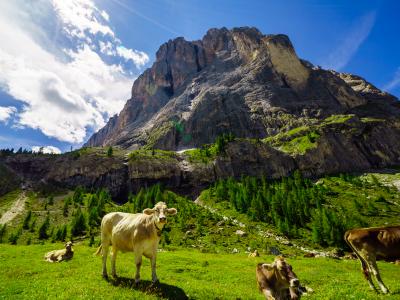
(237, 81)
(285, 113)
(335, 145)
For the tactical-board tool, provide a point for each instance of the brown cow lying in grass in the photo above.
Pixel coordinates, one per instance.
(277, 281)
(370, 244)
(60, 255)
(137, 233)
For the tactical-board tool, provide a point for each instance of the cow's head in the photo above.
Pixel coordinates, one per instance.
(283, 271)
(68, 246)
(160, 212)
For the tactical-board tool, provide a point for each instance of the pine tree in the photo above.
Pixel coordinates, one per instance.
(110, 151)
(78, 223)
(42, 232)
(27, 219)
(3, 229)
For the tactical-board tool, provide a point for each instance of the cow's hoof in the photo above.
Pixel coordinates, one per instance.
(105, 276)
(155, 281)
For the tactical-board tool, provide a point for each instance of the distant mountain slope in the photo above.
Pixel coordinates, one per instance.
(237, 81)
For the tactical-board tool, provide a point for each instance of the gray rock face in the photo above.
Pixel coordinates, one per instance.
(237, 81)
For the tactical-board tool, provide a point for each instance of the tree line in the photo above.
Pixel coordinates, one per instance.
(290, 204)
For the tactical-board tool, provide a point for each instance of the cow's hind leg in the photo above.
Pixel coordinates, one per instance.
(366, 268)
(104, 253)
(138, 263)
(375, 271)
(113, 260)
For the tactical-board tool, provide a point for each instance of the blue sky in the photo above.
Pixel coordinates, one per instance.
(67, 66)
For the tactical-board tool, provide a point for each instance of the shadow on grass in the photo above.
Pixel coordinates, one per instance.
(395, 292)
(161, 290)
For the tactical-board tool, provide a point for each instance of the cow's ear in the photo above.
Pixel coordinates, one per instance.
(148, 211)
(268, 267)
(172, 211)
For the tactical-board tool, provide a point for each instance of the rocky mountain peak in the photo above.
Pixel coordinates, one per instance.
(239, 81)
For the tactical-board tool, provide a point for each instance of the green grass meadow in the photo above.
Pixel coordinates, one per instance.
(183, 274)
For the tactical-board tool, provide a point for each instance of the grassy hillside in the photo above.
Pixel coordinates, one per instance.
(197, 260)
(183, 274)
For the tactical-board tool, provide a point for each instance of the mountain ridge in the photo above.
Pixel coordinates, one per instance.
(239, 81)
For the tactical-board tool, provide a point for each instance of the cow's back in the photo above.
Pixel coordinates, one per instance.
(110, 220)
(126, 231)
(384, 241)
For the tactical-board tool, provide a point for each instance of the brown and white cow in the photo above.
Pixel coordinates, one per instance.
(60, 255)
(277, 281)
(370, 244)
(138, 233)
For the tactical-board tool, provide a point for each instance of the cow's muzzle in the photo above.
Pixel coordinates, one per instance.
(162, 219)
(294, 282)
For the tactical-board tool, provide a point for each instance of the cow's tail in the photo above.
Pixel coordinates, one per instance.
(363, 261)
(98, 252)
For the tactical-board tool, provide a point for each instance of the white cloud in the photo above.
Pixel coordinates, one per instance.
(394, 83)
(341, 56)
(64, 91)
(6, 112)
(46, 149)
(105, 15)
(80, 16)
(107, 47)
(139, 58)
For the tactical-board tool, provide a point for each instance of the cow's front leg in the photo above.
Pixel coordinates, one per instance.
(268, 294)
(138, 263)
(153, 268)
(294, 293)
(113, 260)
(375, 271)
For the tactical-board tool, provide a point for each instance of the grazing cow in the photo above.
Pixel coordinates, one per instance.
(60, 255)
(370, 244)
(277, 281)
(138, 233)
(254, 254)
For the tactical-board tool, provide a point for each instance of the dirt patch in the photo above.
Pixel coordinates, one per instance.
(17, 208)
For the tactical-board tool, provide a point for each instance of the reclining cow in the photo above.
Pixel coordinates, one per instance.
(60, 255)
(370, 244)
(277, 281)
(138, 233)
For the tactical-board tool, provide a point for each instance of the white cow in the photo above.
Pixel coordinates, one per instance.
(60, 255)
(139, 233)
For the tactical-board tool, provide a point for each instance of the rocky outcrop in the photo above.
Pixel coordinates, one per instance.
(344, 144)
(69, 171)
(239, 81)
(9, 181)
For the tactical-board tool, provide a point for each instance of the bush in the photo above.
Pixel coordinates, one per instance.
(13, 238)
